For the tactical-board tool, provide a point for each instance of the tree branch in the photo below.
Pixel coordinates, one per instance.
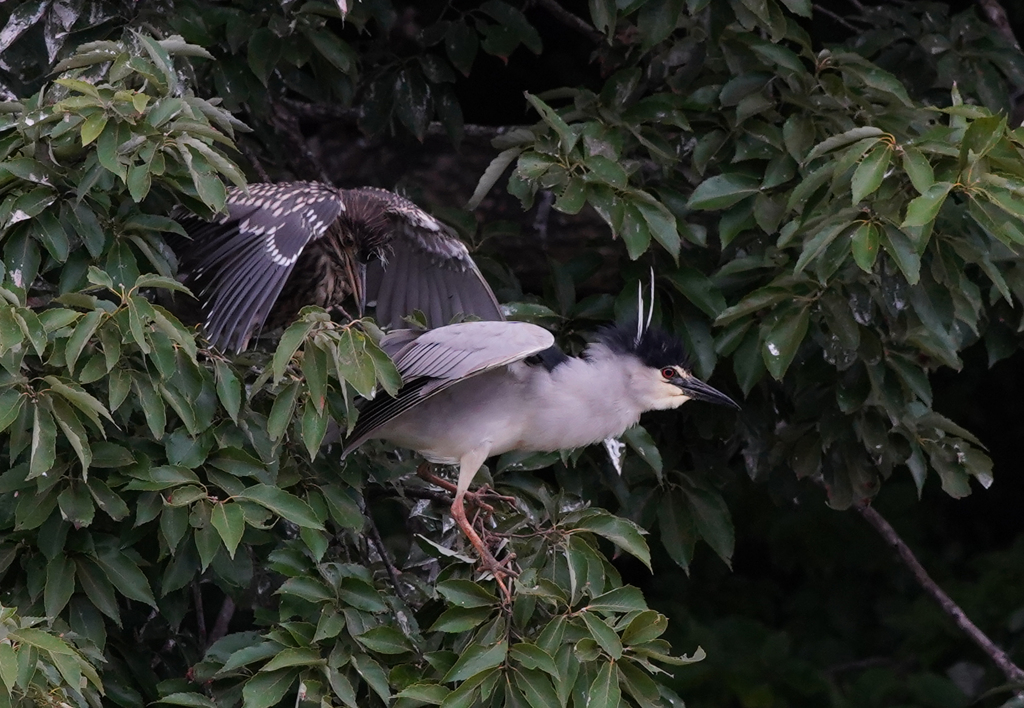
(325, 112)
(1013, 673)
(570, 20)
(995, 15)
(378, 543)
(838, 18)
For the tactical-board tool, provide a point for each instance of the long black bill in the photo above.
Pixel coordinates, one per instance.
(700, 391)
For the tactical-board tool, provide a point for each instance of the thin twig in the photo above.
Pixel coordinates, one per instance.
(838, 18)
(570, 20)
(325, 112)
(1013, 673)
(254, 160)
(197, 597)
(383, 552)
(220, 626)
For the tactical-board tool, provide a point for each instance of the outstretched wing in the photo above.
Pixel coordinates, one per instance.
(237, 265)
(427, 268)
(435, 359)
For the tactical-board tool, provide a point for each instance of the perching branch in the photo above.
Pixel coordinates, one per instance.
(1013, 673)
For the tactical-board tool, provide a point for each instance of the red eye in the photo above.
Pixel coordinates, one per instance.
(668, 372)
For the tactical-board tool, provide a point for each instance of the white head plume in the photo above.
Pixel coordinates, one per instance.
(643, 324)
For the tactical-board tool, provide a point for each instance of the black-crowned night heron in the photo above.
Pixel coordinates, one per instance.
(284, 246)
(477, 389)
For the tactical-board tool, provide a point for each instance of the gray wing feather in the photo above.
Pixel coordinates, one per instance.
(239, 263)
(432, 360)
(429, 270)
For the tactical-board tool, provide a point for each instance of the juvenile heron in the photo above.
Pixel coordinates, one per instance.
(477, 389)
(284, 246)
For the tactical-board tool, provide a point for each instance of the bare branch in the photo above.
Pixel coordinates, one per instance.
(999, 657)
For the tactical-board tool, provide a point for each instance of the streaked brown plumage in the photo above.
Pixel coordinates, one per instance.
(284, 246)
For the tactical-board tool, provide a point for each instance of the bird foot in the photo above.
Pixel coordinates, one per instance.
(501, 570)
(475, 498)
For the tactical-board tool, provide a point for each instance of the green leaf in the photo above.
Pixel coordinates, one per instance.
(384, 640)
(491, 175)
(678, 535)
(8, 666)
(97, 588)
(722, 191)
(981, 136)
(43, 450)
(821, 240)
(373, 675)
(126, 576)
(604, 635)
(283, 504)
(282, 411)
(644, 627)
(361, 595)
(624, 599)
(466, 593)
(267, 689)
(634, 231)
(456, 620)
(537, 688)
(784, 339)
(93, 126)
(566, 136)
(900, 248)
(296, 656)
(431, 693)
(641, 442)
(11, 403)
(870, 172)
(229, 390)
(532, 656)
(864, 245)
(76, 505)
(573, 197)
(291, 340)
(60, 585)
(713, 521)
(461, 43)
(699, 289)
(624, 534)
(41, 640)
(604, 691)
(842, 140)
(229, 521)
(307, 588)
(190, 700)
(105, 498)
(314, 427)
(918, 169)
(923, 210)
(476, 659)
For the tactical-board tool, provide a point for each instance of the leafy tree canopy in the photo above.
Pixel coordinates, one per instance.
(834, 211)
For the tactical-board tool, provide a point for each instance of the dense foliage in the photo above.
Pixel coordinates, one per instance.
(828, 225)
